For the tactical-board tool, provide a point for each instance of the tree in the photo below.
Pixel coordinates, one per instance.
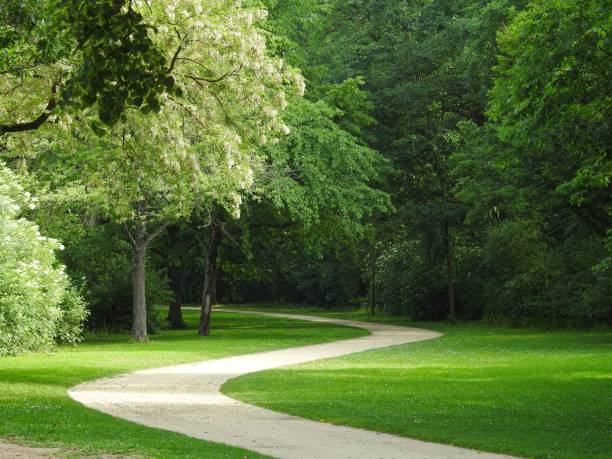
(198, 145)
(316, 168)
(550, 109)
(551, 104)
(175, 254)
(209, 286)
(318, 193)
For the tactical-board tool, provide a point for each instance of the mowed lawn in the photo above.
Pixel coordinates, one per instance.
(35, 409)
(531, 393)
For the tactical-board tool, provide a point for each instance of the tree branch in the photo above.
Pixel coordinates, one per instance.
(210, 80)
(156, 233)
(34, 124)
(129, 234)
(188, 59)
(175, 58)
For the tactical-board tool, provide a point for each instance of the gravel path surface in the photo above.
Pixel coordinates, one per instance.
(186, 399)
(13, 450)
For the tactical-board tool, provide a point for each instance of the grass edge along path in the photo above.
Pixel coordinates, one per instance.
(36, 410)
(526, 392)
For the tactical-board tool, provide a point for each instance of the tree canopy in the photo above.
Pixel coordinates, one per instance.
(434, 158)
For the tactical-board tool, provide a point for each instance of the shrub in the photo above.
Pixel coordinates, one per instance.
(407, 283)
(530, 280)
(38, 306)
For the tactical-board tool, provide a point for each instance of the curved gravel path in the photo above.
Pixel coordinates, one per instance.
(186, 399)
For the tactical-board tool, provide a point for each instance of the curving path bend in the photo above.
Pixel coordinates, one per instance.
(187, 399)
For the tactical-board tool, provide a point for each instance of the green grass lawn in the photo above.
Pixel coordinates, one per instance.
(532, 393)
(35, 409)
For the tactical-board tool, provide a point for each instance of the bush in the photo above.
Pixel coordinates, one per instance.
(38, 305)
(74, 313)
(529, 280)
(408, 284)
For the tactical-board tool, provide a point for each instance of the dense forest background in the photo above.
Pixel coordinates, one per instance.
(493, 117)
(449, 159)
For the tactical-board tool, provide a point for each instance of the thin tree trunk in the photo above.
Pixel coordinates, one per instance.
(139, 315)
(175, 313)
(210, 279)
(214, 274)
(372, 276)
(175, 275)
(449, 275)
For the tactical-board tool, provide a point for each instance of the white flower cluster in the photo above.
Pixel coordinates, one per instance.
(229, 98)
(33, 288)
(13, 198)
(232, 93)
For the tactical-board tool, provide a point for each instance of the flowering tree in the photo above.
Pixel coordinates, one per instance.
(226, 99)
(109, 55)
(196, 144)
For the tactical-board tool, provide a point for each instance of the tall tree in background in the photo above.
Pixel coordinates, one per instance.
(315, 185)
(551, 110)
(427, 65)
(551, 102)
(319, 184)
(316, 188)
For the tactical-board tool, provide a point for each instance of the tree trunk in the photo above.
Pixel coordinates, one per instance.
(139, 315)
(175, 313)
(214, 274)
(449, 275)
(210, 279)
(372, 276)
(175, 276)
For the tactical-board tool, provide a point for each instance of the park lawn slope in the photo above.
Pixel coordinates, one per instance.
(531, 393)
(35, 408)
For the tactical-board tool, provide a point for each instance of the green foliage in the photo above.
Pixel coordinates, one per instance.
(301, 239)
(408, 284)
(551, 99)
(485, 125)
(319, 194)
(536, 282)
(296, 28)
(95, 53)
(353, 103)
(330, 184)
(38, 306)
(194, 143)
(119, 65)
(496, 117)
(25, 39)
(424, 67)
